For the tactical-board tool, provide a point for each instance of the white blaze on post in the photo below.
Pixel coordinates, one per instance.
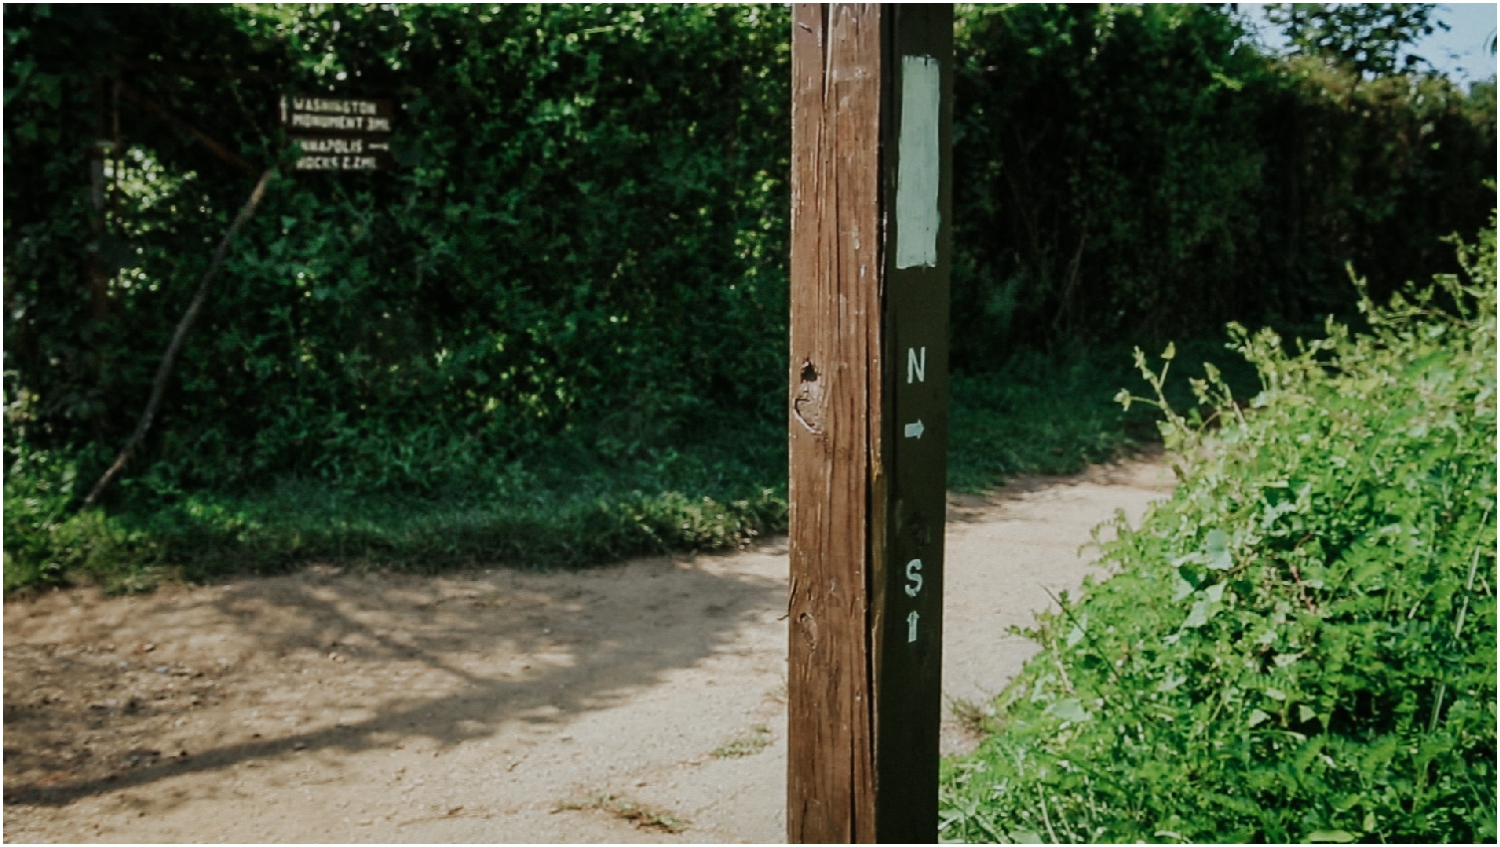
(920, 164)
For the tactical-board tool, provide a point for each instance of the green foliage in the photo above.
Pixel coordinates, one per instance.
(582, 254)
(1300, 644)
(1074, 115)
(46, 543)
(1370, 172)
(1364, 37)
(1056, 414)
(563, 506)
(554, 511)
(585, 234)
(1131, 172)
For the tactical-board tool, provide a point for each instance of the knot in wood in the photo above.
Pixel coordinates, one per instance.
(809, 627)
(808, 404)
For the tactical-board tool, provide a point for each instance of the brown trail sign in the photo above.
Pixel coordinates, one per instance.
(339, 133)
(871, 223)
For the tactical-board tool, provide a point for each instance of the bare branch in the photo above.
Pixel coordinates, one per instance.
(183, 126)
(169, 358)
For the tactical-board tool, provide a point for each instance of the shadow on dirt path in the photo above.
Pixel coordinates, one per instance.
(112, 696)
(640, 702)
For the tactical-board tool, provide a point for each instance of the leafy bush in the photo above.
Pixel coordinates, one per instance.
(583, 252)
(586, 237)
(1126, 171)
(584, 240)
(47, 542)
(1300, 644)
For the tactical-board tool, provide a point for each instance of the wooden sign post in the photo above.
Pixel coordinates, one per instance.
(871, 224)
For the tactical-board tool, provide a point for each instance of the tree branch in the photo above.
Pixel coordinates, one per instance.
(183, 126)
(169, 358)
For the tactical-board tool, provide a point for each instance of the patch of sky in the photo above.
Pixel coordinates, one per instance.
(1461, 52)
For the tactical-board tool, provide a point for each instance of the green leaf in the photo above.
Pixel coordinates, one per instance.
(1217, 548)
(1334, 836)
(1197, 616)
(1069, 710)
(1258, 717)
(1075, 635)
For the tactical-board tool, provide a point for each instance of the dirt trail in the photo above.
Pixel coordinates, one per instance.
(610, 705)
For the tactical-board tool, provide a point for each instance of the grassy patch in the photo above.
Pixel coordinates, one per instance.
(564, 508)
(1057, 414)
(975, 718)
(631, 811)
(749, 744)
(578, 501)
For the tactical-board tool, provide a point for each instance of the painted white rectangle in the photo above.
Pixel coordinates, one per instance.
(919, 164)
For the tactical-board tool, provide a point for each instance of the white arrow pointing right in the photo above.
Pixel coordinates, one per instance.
(914, 430)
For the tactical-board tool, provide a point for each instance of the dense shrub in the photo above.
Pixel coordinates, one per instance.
(584, 248)
(1299, 644)
(587, 231)
(1133, 171)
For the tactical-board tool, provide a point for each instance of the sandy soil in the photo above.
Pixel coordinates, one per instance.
(639, 702)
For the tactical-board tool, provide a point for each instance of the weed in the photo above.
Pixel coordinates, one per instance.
(975, 718)
(749, 744)
(626, 809)
(779, 693)
(1055, 414)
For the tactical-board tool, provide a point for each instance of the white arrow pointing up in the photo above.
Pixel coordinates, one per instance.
(914, 430)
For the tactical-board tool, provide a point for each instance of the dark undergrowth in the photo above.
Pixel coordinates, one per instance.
(1056, 414)
(571, 504)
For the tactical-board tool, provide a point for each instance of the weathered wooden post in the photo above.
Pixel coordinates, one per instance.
(871, 223)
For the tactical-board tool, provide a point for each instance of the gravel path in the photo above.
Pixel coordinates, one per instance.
(641, 702)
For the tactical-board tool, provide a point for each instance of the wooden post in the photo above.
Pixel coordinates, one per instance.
(871, 184)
